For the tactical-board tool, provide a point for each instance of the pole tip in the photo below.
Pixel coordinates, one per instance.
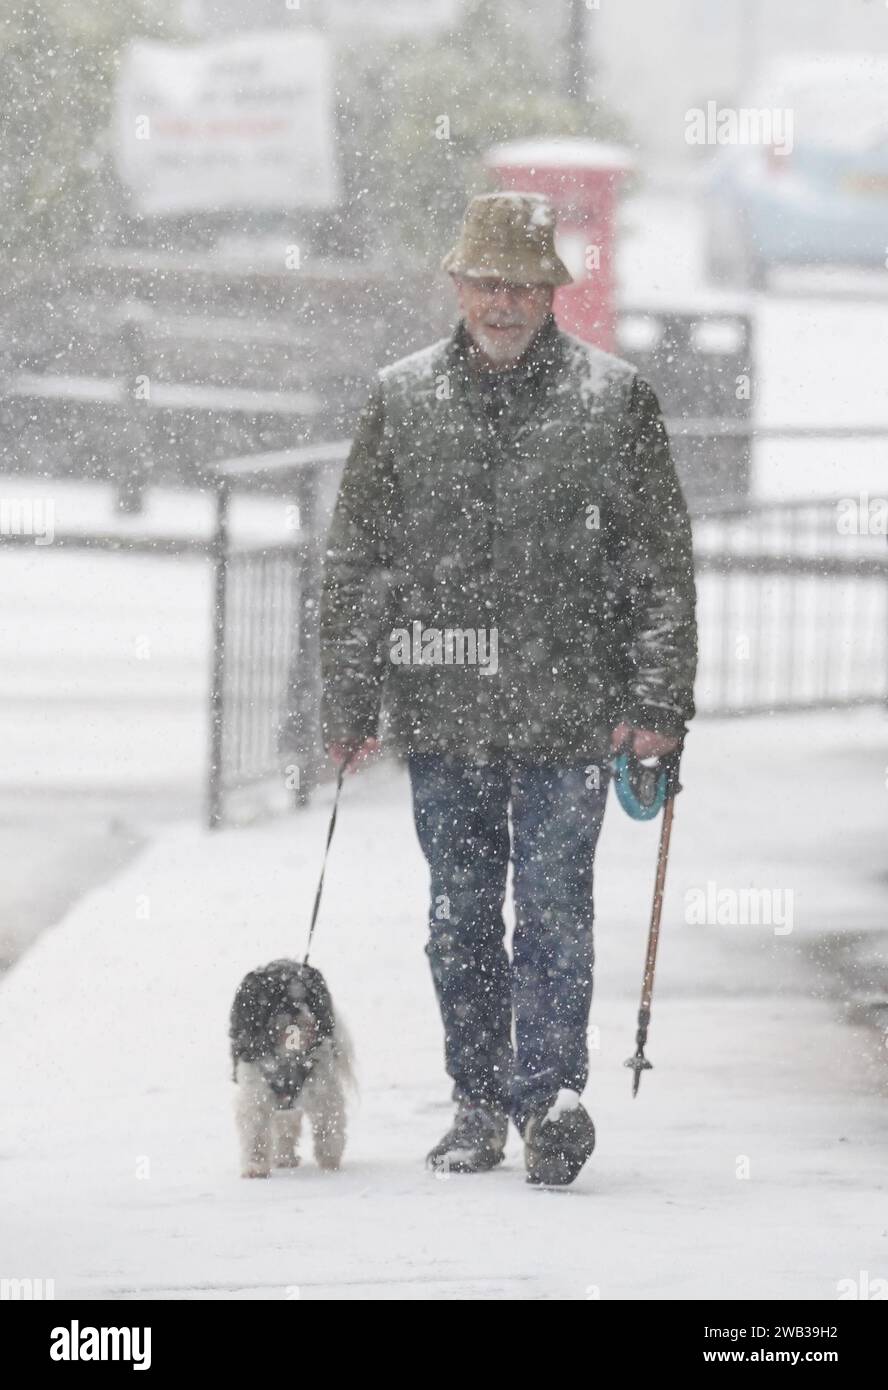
(638, 1063)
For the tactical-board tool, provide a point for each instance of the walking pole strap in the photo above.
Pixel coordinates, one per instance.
(332, 826)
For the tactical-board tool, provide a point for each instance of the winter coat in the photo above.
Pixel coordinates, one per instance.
(536, 514)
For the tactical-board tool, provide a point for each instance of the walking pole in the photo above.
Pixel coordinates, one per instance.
(639, 1062)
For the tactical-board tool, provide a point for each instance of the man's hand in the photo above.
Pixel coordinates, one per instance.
(645, 744)
(353, 751)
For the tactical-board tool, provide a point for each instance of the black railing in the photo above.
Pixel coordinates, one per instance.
(265, 689)
(793, 615)
(792, 608)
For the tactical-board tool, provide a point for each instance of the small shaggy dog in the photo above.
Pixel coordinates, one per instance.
(291, 1057)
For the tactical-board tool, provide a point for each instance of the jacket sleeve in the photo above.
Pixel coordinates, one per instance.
(656, 571)
(352, 607)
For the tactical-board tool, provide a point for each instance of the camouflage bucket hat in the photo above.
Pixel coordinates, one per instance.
(508, 236)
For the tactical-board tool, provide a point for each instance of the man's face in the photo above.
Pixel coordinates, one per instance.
(501, 317)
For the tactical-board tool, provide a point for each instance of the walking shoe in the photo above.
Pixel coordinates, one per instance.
(475, 1142)
(558, 1141)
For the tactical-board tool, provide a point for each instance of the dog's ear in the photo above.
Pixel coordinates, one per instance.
(319, 1000)
(248, 1022)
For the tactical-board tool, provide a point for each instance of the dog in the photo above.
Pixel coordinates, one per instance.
(291, 1057)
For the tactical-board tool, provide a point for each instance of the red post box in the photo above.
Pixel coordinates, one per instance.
(582, 179)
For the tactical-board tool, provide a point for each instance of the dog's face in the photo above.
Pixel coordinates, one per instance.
(282, 1010)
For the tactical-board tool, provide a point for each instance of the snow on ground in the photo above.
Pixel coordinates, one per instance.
(119, 1153)
(104, 709)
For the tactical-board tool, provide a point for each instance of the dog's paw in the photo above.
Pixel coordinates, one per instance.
(331, 1163)
(254, 1171)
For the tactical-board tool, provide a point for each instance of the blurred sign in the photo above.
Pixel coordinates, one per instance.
(391, 16)
(245, 122)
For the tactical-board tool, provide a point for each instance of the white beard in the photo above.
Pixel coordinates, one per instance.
(500, 352)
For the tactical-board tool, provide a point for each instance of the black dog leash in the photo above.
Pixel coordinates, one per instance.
(317, 902)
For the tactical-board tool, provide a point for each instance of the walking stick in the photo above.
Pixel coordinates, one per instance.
(639, 1062)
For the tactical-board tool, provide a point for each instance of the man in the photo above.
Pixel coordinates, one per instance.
(513, 487)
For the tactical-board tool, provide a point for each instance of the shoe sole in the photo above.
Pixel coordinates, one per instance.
(556, 1150)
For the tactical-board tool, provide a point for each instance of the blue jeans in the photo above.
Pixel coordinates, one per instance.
(461, 812)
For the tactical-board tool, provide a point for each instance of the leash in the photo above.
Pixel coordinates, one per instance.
(332, 826)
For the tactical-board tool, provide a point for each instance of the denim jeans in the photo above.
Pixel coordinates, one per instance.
(461, 812)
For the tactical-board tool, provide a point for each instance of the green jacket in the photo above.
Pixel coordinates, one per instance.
(509, 561)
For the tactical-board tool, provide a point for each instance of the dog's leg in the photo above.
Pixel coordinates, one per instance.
(254, 1111)
(328, 1127)
(287, 1125)
(325, 1106)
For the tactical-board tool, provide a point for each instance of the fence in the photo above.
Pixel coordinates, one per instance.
(793, 615)
(154, 365)
(792, 612)
(266, 681)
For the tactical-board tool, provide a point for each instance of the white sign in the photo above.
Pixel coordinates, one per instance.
(238, 123)
(389, 16)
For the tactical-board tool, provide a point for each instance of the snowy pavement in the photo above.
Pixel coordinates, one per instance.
(752, 1163)
(103, 705)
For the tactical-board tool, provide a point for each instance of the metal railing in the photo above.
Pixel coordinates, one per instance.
(793, 615)
(265, 688)
(792, 610)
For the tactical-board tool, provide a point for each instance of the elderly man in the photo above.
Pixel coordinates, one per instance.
(512, 486)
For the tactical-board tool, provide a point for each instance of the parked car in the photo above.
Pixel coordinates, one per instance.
(825, 200)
